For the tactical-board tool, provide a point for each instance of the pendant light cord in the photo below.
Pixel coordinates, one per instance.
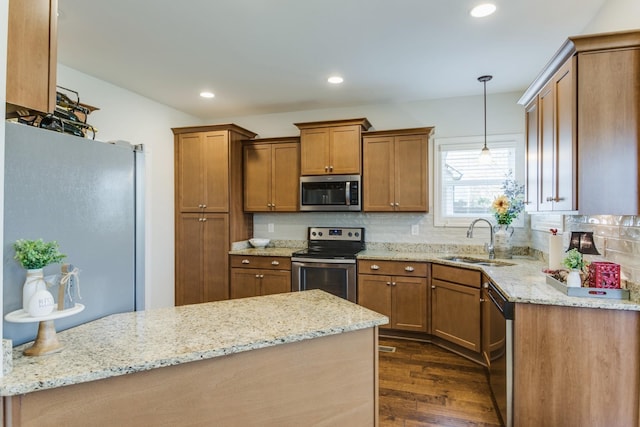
(484, 80)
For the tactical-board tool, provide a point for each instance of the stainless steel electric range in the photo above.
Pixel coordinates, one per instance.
(329, 261)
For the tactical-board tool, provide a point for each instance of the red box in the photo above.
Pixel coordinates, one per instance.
(604, 274)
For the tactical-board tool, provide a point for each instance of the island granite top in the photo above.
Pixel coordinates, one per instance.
(139, 341)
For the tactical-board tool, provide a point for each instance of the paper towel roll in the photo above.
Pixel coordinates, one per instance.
(555, 251)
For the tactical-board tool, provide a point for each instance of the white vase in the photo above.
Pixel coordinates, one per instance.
(32, 284)
(573, 279)
(41, 303)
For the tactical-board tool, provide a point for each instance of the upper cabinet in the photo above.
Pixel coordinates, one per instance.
(32, 55)
(331, 147)
(272, 175)
(583, 126)
(395, 164)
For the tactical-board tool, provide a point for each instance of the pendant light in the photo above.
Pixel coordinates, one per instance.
(485, 154)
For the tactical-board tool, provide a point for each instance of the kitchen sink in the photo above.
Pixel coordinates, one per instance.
(478, 261)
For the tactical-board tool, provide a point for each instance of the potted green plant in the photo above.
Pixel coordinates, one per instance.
(575, 263)
(34, 255)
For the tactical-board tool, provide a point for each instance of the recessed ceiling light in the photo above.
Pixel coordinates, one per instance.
(483, 10)
(207, 94)
(335, 80)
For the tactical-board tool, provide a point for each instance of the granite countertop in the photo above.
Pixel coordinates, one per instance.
(132, 342)
(285, 252)
(524, 282)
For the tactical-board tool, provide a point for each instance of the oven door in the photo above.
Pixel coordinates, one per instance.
(338, 277)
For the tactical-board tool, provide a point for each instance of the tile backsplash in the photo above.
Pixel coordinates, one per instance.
(616, 237)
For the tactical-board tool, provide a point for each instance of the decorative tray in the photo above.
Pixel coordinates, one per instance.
(588, 292)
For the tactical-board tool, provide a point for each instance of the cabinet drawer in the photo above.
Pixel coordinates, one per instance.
(456, 275)
(264, 262)
(393, 268)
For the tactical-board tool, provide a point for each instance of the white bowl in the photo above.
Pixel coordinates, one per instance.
(259, 243)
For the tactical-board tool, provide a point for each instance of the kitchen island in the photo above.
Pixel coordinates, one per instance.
(304, 358)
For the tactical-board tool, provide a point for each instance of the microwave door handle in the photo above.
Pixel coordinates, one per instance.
(347, 193)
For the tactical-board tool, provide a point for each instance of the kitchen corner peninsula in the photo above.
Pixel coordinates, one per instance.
(302, 358)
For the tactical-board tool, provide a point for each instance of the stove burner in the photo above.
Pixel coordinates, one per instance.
(333, 243)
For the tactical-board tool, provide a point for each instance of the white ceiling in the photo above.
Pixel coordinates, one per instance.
(268, 56)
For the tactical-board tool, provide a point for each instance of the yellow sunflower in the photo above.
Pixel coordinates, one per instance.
(501, 205)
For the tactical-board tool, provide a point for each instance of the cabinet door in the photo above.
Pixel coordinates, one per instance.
(285, 181)
(531, 173)
(216, 171)
(189, 172)
(565, 139)
(455, 314)
(244, 282)
(257, 178)
(275, 282)
(374, 293)
(215, 269)
(409, 303)
(411, 187)
(189, 260)
(314, 151)
(31, 54)
(345, 150)
(378, 173)
(203, 172)
(609, 90)
(546, 171)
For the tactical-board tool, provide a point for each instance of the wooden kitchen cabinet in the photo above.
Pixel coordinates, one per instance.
(203, 187)
(395, 170)
(331, 147)
(201, 253)
(208, 209)
(557, 144)
(588, 107)
(575, 366)
(396, 289)
(259, 275)
(531, 187)
(272, 175)
(32, 36)
(455, 306)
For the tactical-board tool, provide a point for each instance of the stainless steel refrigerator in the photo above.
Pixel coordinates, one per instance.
(88, 196)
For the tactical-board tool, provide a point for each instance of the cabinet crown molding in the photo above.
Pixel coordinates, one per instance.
(579, 44)
(211, 128)
(363, 122)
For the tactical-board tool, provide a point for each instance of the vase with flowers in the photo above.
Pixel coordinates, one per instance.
(506, 208)
(34, 255)
(576, 264)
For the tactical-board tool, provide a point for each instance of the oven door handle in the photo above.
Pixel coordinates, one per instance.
(318, 262)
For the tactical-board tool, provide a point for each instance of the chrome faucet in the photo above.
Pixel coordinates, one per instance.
(487, 246)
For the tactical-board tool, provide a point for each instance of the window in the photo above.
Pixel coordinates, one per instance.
(465, 188)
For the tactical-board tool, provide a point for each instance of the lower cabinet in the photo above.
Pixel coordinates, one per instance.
(455, 306)
(396, 289)
(259, 275)
(202, 245)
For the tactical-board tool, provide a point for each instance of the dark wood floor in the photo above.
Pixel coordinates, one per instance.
(424, 385)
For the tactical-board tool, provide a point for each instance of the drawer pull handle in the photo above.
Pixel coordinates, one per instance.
(275, 262)
(388, 283)
(245, 261)
(409, 269)
(433, 286)
(375, 267)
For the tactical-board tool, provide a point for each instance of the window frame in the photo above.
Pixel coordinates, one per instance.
(475, 141)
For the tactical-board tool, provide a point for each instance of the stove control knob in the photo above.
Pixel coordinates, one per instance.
(313, 233)
(357, 234)
(350, 234)
(319, 233)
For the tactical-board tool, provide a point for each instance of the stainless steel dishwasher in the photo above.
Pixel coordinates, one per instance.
(501, 316)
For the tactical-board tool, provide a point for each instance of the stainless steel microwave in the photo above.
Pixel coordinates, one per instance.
(330, 193)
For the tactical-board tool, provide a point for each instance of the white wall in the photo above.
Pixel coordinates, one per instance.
(124, 115)
(615, 15)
